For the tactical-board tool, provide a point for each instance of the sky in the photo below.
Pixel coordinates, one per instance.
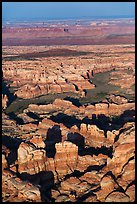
(65, 10)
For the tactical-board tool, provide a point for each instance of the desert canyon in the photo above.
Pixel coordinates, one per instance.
(68, 111)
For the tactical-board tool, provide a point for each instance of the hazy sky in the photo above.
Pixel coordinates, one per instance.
(59, 10)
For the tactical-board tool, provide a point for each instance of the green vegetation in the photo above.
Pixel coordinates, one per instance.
(18, 105)
(101, 91)
(133, 87)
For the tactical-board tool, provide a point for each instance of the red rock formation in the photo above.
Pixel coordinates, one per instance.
(108, 109)
(111, 135)
(131, 192)
(38, 142)
(16, 190)
(73, 184)
(66, 157)
(4, 162)
(5, 151)
(117, 197)
(107, 185)
(4, 101)
(53, 85)
(30, 160)
(28, 127)
(85, 161)
(94, 136)
(91, 177)
(117, 99)
(59, 103)
(34, 161)
(124, 150)
(128, 174)
(29, 91)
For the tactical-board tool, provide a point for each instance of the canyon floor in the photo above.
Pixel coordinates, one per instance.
(68, 112)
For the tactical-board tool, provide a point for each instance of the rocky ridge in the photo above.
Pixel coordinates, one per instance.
(80, 162)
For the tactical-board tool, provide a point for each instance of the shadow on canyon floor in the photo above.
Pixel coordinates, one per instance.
(77, 139)
(5, 90)
(44, 180)
(67, 120)
(101, 121)
(74, 101)
(13, 145)
(13, 116)
(53, 136)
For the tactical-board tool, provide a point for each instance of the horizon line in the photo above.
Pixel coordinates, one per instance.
(66, 18)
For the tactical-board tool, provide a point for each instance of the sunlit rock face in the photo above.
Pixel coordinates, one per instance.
(117, 99)
(32, 160)
(4, 101)
(4, 162)
(66, 157)
(72, 82)
(124, 150)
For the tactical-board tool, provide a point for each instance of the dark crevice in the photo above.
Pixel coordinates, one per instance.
(76, 87)
(13, 145)
(5, 90)
(67, 120)
(109, 173)
(33, 115)
(95, 167)
(130, 184)
(85, 196)
(53, 136)
(44, 180)
(121, 131)
(103, 122)
(13, 116)
(116, 190)
(77, 173)
(77, 139)
(96, 151)
(74, 101)
(126, 164)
